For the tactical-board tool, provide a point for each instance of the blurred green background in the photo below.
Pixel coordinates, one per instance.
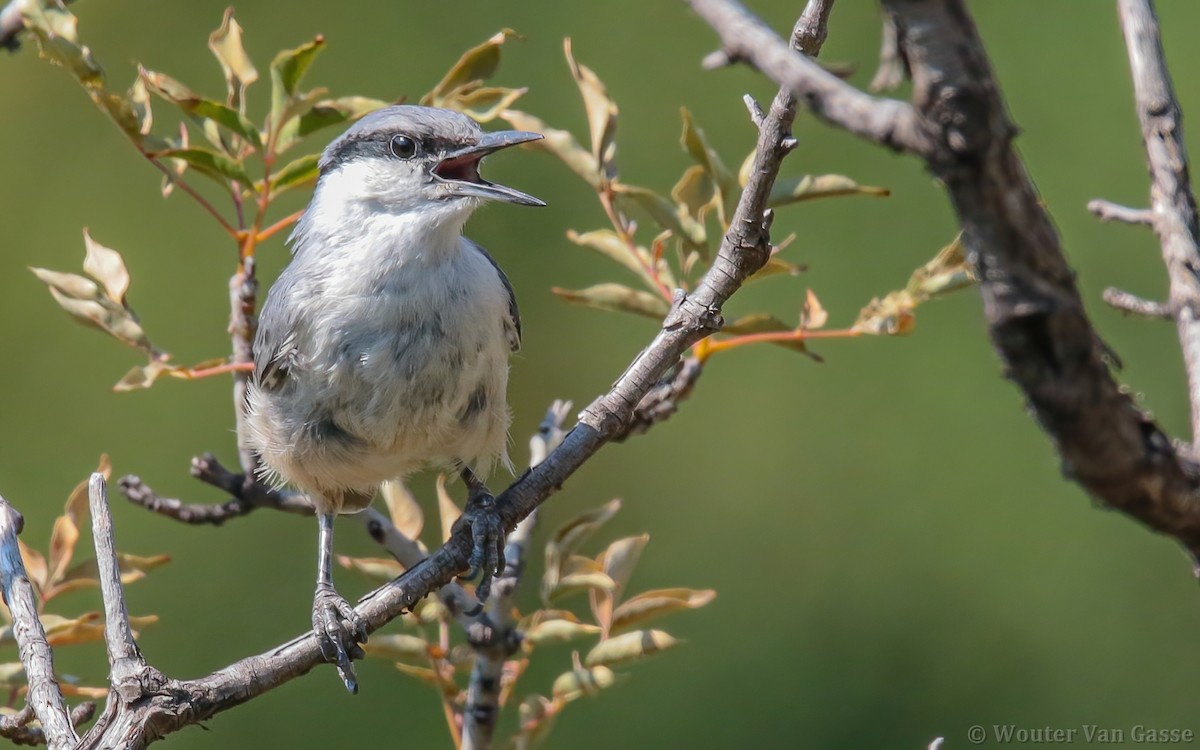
(896, 553)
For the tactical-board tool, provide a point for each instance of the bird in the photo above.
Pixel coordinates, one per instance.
(383, 345)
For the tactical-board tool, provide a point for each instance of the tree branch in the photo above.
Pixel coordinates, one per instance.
(45, 696)
(1035, 315)
(1134, 305)
(495, 638)
(1106, 211)
(1172, 203)
(887, 122)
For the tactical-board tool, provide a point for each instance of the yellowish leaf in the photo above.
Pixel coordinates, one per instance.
(378, 569)
(476, 65)
(403, 508)
(447, 509)
(601, 114)
(617, 298)
(650, 605)
(631, 646)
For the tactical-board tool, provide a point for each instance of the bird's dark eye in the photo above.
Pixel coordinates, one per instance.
(403, 147)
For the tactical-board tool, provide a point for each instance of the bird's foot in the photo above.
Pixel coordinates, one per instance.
(487, 535)
(340, 630)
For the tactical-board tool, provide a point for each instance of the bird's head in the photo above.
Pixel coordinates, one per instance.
(418, 159)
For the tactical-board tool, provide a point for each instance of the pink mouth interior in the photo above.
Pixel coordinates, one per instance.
(462, 168)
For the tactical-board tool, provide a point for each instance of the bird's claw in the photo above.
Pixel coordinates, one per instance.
(487, 541)
(340, 630)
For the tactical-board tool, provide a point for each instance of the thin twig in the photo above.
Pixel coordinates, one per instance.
(124, 657)
(16, 728)
(893, 65)
(45, 695)
(1171, 199)
(185, 187)
(1135, 305)
(497, 638)
(280, 225)
(1107, 211)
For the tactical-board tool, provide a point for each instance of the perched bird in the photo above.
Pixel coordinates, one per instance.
(383, 346)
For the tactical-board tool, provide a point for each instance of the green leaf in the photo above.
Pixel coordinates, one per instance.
(200, 108)
(697, 146)
(209, 163)
(608, 243)
(560, 143)
(226, 45)
(651, 605)
(601, 114)
(694, 193)
(302, 171)
(628, 647)
(617, 297)
(287, 70)
(663, 212)
(329, 112)
(476, 64)
(811, 187)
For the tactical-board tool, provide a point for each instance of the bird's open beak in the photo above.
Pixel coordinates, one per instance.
(459, 170)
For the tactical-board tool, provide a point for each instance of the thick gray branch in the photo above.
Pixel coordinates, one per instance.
(45, 696)
(1171, 200)
(1035, 315)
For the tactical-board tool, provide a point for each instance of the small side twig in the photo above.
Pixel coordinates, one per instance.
(1107, 211)
(45, 696)
(664, 398)
(1132, 304)
(16, 728)
(893, 67)
(1171, 198)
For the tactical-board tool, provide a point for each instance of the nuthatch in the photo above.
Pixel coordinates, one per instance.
(383, 346)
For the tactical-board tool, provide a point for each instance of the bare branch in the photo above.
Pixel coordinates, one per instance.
(664, 398)
(16, 728)
(495, 637)
(1171, 199)
(45, 696)
(1134, 305)
(243, 296)
(1035, 315)
(123, 654)
(1106, 212)
(888, 122)
(893, 65)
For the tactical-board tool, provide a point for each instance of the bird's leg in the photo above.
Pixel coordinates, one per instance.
(338, 626)
(487, 534)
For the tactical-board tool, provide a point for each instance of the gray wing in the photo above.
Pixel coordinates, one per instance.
(275, 344)
(512, 326)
